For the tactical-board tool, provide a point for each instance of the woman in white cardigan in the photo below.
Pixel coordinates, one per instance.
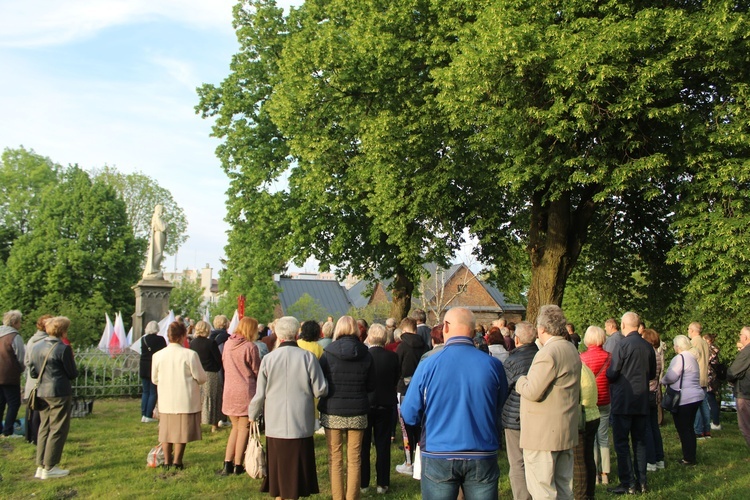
(288, 380)
(177, 373)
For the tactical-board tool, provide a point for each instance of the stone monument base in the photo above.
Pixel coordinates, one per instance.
(151, 303)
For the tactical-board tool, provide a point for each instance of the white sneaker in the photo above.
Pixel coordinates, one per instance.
(38, 474)
(364, 491)
(660, 464)
(404, 469)
(651, 468)
(715, 427)
(54, 472)
(147, 420)
(225, 424)
(382, 490)
(14, 436)
(321, 431)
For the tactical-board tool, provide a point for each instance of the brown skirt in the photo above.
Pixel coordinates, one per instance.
(291, 468)
(179, 427)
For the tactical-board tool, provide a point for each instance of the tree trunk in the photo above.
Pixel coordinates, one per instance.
(556, 237)
(401, 293)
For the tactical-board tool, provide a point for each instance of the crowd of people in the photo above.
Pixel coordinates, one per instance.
(457, 393)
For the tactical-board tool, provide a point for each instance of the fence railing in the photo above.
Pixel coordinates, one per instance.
(101, 374)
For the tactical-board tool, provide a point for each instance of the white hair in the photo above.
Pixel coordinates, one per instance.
(287, 328)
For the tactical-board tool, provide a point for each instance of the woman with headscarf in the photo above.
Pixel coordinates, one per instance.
(178, 375)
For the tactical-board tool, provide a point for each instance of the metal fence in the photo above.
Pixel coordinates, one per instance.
(101, 374)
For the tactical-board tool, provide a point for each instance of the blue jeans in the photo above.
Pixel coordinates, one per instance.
(654, 443)
(148, 399)
(441, 478)
(702, 424)
(713, 406)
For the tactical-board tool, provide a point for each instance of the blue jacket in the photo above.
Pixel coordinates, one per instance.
(457, 395)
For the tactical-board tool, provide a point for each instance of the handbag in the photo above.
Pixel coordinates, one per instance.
(255, 457)
(671, 401)
(417, 465)
(155, 457)
(33, 402)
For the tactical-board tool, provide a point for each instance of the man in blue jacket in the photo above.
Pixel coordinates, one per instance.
(457, 396)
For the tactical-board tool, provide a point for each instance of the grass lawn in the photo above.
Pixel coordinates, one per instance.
(106, 455)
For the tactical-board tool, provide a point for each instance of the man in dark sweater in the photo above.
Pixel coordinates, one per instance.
(633, 365)
(516, 365)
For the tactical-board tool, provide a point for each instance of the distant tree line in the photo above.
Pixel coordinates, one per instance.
(69, 244)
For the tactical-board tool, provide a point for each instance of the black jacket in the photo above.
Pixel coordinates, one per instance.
(350, 373)
(59, 371)
(387, 375)
(208, 352)
(219, 336)
(633, 365)
(150, 344)
(409, 352)
(517, 365)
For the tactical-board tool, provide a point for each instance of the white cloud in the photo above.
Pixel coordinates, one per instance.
(33, 23)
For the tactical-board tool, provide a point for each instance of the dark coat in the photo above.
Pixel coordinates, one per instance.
(739, 373)
(633, 365)
(59, 371)
(387, 375)
(150, 344)
(517, 365)
(220, 336)
(409, 352)
(208, 352)
(350, 372)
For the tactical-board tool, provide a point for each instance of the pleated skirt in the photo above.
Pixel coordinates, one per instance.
(291, 468)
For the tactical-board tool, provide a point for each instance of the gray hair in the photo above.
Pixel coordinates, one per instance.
(419, 315)
(594, 336)
(681, 342)
(327, 329)
(390, 323)
(376, 335)
(12, 318)
(630, 320)
(552, 320)
(505, 331)
(525, 332)
(287, 328)
(152, 327)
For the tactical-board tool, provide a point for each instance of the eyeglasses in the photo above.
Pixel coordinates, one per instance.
(446, 322)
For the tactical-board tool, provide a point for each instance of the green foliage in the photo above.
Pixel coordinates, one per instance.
(186, 299)
(24, 176)
(307, 308)
(373, 313)
(141, 194)
(78, 256)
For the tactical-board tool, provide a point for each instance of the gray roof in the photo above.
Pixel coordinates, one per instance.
(357, 294)
(328, 293)
(499, 297)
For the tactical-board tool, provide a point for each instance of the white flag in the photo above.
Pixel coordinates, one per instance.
(233, 324)
(164, 325)
(119, 331)
(106, 335)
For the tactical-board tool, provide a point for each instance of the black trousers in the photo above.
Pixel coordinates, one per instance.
(683, 422)
(631, 470)
(379, 430)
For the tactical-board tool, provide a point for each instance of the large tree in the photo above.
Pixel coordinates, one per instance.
(338, 103)
(573, 103)
(141, 194)
(78, 257)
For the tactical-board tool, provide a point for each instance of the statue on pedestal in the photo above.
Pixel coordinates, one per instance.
(156, 244)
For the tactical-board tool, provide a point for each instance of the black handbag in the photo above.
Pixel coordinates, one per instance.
(671, 401)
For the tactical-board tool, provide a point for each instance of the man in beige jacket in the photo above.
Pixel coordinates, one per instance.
(549, 409)
(701, 352)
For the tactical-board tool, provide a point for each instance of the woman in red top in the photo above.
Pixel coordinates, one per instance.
(241, 361)
(597, 359)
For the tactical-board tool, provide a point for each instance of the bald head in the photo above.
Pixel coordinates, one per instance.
(694, 329)
(630, 321)
(458, 322)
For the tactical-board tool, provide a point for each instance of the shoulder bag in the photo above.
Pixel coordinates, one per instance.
(671, 401)
(33, 402)
(255, 457)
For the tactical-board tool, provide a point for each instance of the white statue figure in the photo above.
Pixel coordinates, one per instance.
(157, 241)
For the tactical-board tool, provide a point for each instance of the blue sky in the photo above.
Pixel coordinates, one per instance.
(112, 82)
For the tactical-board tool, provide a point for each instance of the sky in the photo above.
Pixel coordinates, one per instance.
(112, 82)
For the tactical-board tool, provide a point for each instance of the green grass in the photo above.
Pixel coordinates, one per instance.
(106, 454)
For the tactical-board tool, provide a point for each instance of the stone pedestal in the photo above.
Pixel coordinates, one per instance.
(151, 303)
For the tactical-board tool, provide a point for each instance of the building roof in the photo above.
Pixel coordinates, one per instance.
(499, 297)
(357, 295)
(328, 293)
